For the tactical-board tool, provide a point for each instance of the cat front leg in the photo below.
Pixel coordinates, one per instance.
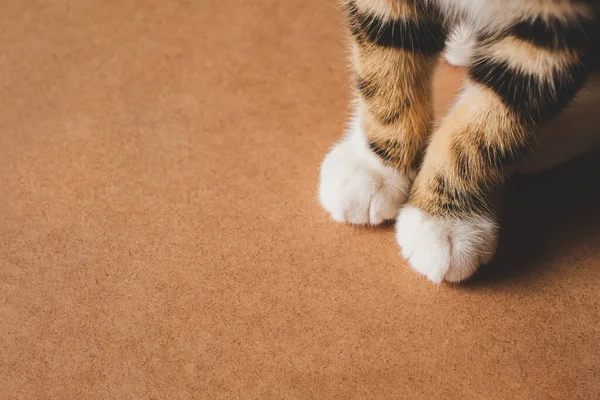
(518, 79)
(395, 46)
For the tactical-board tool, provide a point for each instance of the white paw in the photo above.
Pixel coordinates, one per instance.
(356, 187)
(459, 48)
(445, 249)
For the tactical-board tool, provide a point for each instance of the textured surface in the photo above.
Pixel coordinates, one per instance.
(160, 235)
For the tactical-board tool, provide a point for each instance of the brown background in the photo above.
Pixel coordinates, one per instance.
(160, 235)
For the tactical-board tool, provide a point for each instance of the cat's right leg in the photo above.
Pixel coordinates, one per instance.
(395, 46)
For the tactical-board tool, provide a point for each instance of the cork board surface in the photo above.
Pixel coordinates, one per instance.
(160, 236)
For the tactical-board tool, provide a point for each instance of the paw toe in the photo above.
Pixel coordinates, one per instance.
(357, 188)
(445, 249)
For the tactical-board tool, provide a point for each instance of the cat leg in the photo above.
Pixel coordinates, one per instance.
(518, 79)
(395, 46)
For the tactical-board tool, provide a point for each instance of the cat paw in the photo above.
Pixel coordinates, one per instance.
(356, 187)
(445, 249)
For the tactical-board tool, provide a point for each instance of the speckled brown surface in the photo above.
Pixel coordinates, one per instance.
(160, 235)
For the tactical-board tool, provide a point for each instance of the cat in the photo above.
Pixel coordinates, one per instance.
(530, 63)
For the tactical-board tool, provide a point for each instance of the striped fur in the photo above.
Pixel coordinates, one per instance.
(528, 60)
(519, 78)
(395, 48)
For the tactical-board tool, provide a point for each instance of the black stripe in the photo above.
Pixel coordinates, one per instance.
(391, 154)
(366, 87)
(553, 33)
(425, 36)
(469, 164)
(385, 115)
(381, 151)
(457, 202)
(497, 156)
(530, 97)
(463, 167)
(391, 112)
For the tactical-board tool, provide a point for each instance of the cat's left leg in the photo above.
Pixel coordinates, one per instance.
(395, 46)
(519, 79)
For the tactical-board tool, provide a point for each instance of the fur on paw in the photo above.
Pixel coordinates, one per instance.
(356, 187)
(445, 249)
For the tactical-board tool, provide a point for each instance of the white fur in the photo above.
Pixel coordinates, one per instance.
(445, 249)
(460, 46)
(356, 187)
(493, 15)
